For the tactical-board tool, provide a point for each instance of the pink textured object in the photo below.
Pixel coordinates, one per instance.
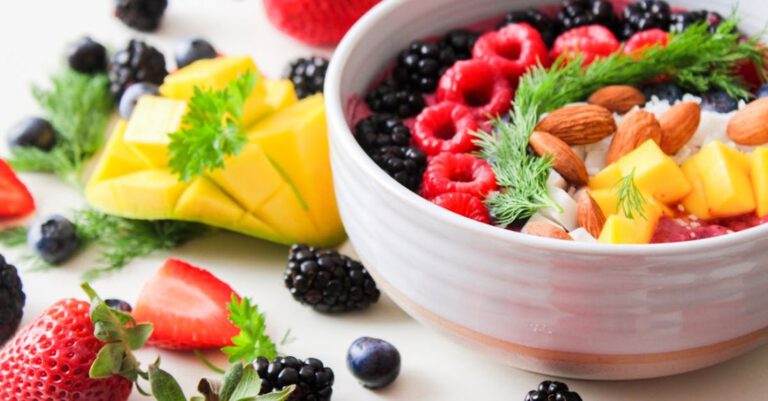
(316, 22)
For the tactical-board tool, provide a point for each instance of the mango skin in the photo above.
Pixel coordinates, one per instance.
(725, 173)
(759, 175)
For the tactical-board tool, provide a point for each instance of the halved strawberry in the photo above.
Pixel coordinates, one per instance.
(15, 199)
(188, 307)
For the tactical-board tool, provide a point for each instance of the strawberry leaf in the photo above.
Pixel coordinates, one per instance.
(277, 396)
(108, 362)
(164, 386)
(248, 387)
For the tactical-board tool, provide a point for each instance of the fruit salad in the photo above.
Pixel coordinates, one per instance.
(592, 121)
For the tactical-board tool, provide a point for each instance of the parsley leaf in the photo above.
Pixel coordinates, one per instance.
(252, 342)
(211, 130)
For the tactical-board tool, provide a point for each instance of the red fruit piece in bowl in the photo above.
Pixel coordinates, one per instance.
(445, 127)
(451, 172)
(591, 41)
(15, 199)
(464, 204)
(514, 50)
(641, 41)
(478, 85)
(188, 307)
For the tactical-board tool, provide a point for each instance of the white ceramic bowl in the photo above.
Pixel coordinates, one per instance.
(556, 307)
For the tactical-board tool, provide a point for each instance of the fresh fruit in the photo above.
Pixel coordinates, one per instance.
(564, 160)
(618, 98)
(445, 127)
(32, 132)
(579, 124)
(54, 238)
(546, 230)
(552, 391)
(590, 215)
(535, 18)
(190, 50)
(637, 127)
(381, 130)
(724, 173)
(449, 172)
(328, 281)
(188, 308)
(457, 44)
(137, 62)
(718, 101)
(374, 362)
(405, 164)
(762, 92)
(478, 85)
(590, 42)
(646, 14)
(133, 94)
(749, 126)
(664, 91)
(643, 40)
(695, 202)
(387, 99)
(87, 56)
(142, 15)
(655, 173)
(50, 359)
(513, 50)
(307, 75)
(313, 380)
(119, 305)
(606, 178)
(12, 300)
(678, 125)
(15, 199)
(420, 66)
(466, 205)
(620, 229)
(316, 22)
(759, 176)
(152, 119)
(576, 13)
(680, 21)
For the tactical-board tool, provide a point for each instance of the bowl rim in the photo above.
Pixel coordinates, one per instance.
(342, 133)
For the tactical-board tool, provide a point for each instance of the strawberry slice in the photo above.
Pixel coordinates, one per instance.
(15, 199)
(188, 307)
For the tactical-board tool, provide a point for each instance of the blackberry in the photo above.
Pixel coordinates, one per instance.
(313, 380)
(402, 102)
(142, 15)
(420, 66)
(679, 22)
(406, 164)
(576, 13)
(459, 42)
(645, 14)
(12, 300)
(328, 281)
(552, 391)
(307, 75)
(138, 62)
(381, 130)
(535, 18)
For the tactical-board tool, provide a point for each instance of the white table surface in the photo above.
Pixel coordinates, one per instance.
(34, 33)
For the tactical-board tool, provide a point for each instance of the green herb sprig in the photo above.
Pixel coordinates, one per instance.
(697, 59)
(13, 237)
(630, 200)
(211, 130)
(252, 342)
(79, 107)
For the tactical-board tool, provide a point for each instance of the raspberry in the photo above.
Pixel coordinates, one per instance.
(641, 41)
(445, 127)
(464, 204)
(590, 41)
(450, 172)
(513, 50)
(545, 25)
(478, 85)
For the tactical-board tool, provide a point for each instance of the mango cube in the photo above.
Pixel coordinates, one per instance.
(608, 200)
(606, 178)
(152, 120)
(727, 187)
(695, 202)
(119, 159)
(655, 173)
(620, 229)
(759, 173)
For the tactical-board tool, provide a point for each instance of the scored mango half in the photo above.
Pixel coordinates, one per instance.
(278, 188)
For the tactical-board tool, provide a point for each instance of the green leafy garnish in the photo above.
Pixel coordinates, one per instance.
(697, 59)
(252, 342)
(241, 383)
(79, 107)
(211, 130)
(630, 200)
(13, 237)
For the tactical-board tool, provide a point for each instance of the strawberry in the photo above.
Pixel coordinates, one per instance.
(465, 205)
(316, 22)
(449, 172)
(514, 50)
(15, 199)
(591, 41)
(188, 308)
(478, 85)
(50, 360)
(445, 127)
(641, 41)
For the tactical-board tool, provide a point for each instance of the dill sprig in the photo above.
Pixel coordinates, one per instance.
(697, 59)
(13, 237)
(79, 107)
(630, 200)
(211, 130)
(252, 342)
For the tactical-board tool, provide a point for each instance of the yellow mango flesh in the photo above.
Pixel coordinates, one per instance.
(152, 120)
(727, 187)
(608, 200)
(695, 202)
(606, 178)
(620, 229)
(655, 173)
(119, 159)
(203, 201)
(759, 174)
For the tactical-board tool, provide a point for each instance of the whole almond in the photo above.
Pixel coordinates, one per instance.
(678, 125)
(634, 129)
(547, 230)
(749, 126)
(564, 160)
(590, 216)
(581, 124)
(618, 98)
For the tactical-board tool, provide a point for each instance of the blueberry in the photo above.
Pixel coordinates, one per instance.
(119, 305)
(53, 238)
(133, 94)
(87, 56)
(375, 363)
(666, 91)
(34, 132)
(192, 49)
(763, 92)
(718, 101)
